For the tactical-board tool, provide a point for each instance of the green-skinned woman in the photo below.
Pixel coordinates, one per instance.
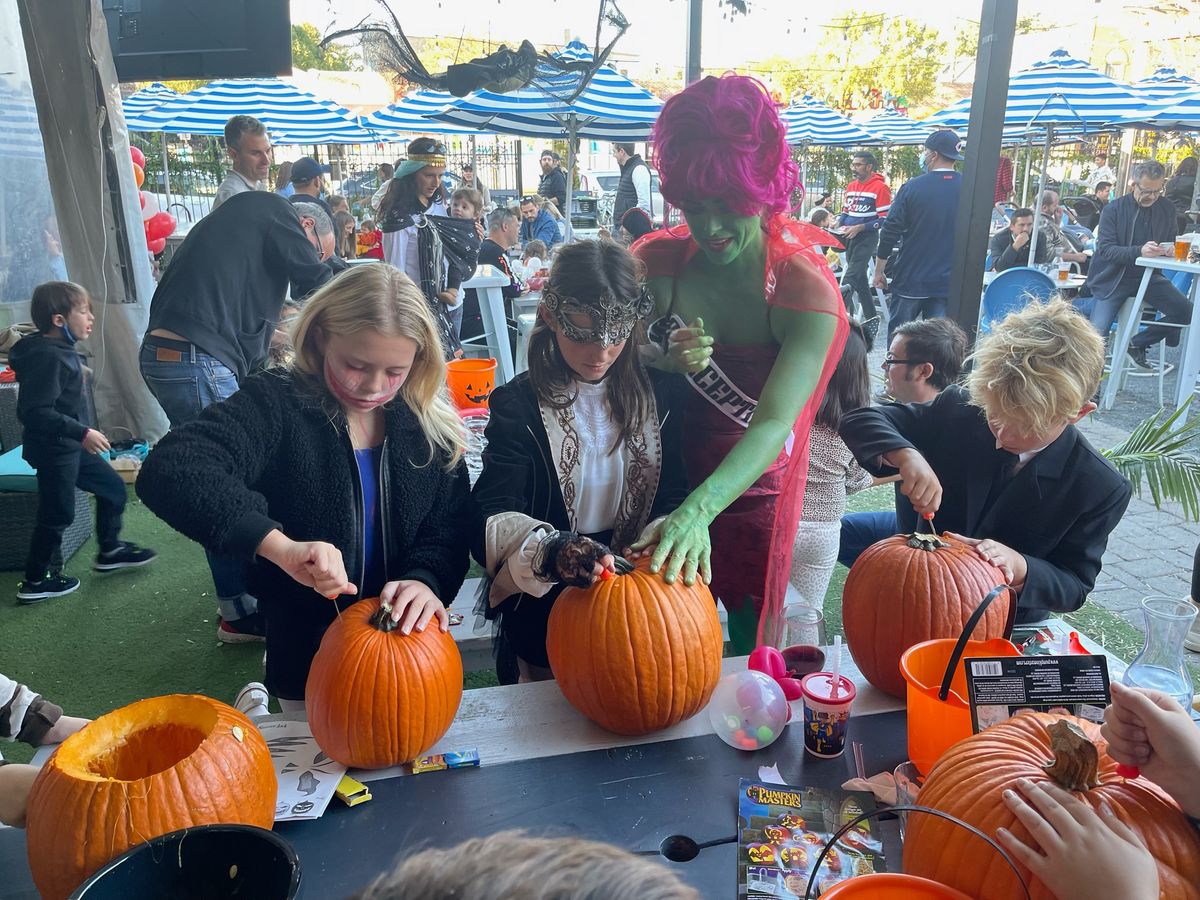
(751, 312)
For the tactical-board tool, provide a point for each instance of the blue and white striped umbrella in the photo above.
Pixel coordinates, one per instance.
(893, 127)
(811, 123)
(150, 97)
(610, 108)
(20, 136)
(412, 116)
(1052, 93)
(1164, 83)
(1178, 113)
(292, 116)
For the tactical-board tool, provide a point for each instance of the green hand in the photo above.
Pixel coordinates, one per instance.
(683, 545)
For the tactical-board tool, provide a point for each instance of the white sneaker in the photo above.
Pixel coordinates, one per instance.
(252, 700)
(1192, 641)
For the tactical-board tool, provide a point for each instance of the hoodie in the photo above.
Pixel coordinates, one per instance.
(867, 202)
(50, 401)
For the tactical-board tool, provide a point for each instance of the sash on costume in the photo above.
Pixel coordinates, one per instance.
(711, 383)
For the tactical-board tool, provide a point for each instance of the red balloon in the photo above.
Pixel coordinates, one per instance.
(139, 158)
(160, 225)
(156, 247)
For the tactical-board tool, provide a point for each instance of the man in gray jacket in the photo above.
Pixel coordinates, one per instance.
(1140, 223)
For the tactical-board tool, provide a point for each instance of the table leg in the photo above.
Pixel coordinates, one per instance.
(495, 323)
(1189, 358)
(1127, 325)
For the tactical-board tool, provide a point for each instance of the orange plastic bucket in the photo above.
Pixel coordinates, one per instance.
(935, 724)
(892, 886)
(470, 382)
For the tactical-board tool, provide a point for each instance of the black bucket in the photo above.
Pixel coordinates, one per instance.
(209, 861)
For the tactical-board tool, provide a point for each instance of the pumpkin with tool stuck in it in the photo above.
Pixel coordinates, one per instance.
(969, 780)
(913, 588)
(376, 697)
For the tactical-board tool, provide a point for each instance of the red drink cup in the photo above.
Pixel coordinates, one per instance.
(826, 717)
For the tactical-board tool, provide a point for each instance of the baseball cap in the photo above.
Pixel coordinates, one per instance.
(306, 169)
(944, 143)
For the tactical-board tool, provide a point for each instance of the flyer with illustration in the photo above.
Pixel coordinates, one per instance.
(782, 830)
(307, 777)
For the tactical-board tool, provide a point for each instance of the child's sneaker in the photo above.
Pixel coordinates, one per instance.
(125, 556)
(241, 631)
(55, 584)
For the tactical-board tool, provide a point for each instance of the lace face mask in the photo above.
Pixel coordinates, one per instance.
(607, 321)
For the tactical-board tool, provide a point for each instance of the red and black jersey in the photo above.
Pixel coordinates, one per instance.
(867, 202)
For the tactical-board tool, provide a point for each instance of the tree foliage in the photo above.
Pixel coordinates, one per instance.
(864, 61)
(307, 52)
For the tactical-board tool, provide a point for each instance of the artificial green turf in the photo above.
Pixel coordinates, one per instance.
(141, 632)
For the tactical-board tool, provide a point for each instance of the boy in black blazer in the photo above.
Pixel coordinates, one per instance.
(1001, 462)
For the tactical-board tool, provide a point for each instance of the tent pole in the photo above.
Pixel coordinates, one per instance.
(1028, 168)
(1037, 207)
(166, 171)
(572, 132)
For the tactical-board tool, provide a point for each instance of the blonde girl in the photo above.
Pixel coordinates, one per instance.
(341, 476)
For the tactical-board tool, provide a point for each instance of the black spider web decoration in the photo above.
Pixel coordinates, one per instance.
(501, 72)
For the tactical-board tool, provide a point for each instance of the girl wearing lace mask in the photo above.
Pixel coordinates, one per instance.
(583, 451)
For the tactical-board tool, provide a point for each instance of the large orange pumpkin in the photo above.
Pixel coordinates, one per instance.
(913, 588)
(635, 654)
(376, 697)
(968, 782)
(146, 769)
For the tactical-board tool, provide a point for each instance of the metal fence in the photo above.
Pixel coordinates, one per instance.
(198, 164)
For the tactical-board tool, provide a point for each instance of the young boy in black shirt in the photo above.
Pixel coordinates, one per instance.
(60, 447)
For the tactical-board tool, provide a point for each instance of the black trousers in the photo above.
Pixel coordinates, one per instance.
(57, 477)
(860, 250)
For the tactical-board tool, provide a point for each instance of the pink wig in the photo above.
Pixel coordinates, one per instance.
(722, 138)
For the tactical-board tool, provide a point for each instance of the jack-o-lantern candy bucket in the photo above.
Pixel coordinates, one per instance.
(470, 382)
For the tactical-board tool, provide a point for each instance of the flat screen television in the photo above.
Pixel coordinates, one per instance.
(161, 40)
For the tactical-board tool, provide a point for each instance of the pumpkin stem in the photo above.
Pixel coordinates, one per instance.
(929, 542)
(1076, 759)
(382, 618)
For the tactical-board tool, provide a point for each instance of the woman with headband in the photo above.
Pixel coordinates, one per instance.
(749, 311)
(583, 451)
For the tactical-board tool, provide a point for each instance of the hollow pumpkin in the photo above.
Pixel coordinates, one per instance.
(376, 697)
(969, 779)
(141, 771)
(913, 588)
(633, 653)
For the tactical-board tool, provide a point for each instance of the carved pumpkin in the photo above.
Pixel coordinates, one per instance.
(968, 782)
(376, 697)
(633, 653)
(913, 588)
(141, 771)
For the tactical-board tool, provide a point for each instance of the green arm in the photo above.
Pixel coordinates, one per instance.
(805, 338)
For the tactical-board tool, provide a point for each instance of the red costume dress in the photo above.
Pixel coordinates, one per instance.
(752, 538)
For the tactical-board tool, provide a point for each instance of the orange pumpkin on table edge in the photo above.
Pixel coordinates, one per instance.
(376, 697)
(968, 782)
(912, 588)
(633, 653)
(147, 769)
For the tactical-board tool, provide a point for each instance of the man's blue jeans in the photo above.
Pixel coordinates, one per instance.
(862, 529)
(909, 309)
(184, 380)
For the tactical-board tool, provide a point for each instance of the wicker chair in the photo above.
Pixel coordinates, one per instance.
(18, 512)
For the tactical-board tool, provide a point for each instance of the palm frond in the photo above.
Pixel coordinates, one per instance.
(1165, 457)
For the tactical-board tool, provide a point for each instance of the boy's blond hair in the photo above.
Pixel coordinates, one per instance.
(381, 298)
(472, 196)
(510, 864)
(1038, 367)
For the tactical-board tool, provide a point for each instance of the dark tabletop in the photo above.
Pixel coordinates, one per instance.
(633, 797)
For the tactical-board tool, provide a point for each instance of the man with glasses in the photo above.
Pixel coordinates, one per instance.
(1140, 223)
(925, 357)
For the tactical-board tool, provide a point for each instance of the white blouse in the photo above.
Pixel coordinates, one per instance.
(601, 469)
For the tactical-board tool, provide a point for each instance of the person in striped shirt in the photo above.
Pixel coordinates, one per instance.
(867, 200)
